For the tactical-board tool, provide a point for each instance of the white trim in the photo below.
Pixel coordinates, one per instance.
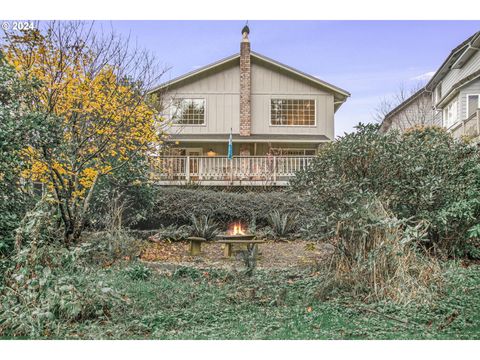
(478, 103)
(278, 97)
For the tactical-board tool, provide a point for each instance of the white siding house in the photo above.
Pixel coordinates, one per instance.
(450, 99)
(278, 117)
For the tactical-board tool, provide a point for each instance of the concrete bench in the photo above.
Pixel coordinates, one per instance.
(229, 245)
(196, 245)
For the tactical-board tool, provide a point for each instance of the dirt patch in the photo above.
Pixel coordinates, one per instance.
(272, 254)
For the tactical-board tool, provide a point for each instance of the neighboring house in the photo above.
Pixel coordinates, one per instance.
(450, 99)
(278, 118)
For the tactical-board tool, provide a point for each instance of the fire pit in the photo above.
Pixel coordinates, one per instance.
(236, 235)
(236, 231)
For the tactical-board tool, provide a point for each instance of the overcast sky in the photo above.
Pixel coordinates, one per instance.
(370, 59)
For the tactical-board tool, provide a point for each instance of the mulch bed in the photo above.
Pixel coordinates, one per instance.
(272, 254)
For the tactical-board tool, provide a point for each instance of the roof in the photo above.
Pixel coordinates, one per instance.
(251, 138)
(387, 121)
(338, 92)
(458, 56)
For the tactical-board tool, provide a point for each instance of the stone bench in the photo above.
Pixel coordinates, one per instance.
(196, 245)
(229, 245)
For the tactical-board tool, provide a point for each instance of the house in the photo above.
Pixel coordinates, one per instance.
(450, 99)
(278, 117)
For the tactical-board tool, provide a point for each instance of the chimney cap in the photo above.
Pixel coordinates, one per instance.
(246, 29)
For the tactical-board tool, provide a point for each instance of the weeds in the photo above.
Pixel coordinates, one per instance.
(204, 226)
(282, 224)
(378, 257)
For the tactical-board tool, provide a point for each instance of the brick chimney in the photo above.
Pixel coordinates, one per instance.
(245, 84)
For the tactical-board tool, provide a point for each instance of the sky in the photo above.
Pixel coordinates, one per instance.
(369, 59)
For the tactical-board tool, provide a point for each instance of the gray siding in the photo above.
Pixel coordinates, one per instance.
(470, 89)
(455, 75)
(221, 89)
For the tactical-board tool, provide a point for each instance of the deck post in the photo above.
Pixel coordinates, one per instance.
(274, 169)
(231, 171)
(187, 169)
(478, 123)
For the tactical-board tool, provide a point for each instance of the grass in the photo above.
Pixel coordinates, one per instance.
(191, 304)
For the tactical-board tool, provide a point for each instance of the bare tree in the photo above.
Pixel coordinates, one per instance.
(417, 108)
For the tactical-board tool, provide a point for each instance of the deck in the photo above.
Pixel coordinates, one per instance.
(221, 171)
(468, 128)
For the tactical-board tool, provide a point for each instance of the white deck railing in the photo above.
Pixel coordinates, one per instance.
(220, 169)
(469, 127)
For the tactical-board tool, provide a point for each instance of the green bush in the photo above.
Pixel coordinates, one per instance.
(204, 227)
(173, 233)
(46, 289)
(421, 176)
(107, 247)
(138, 272)
(17, 128)
(283, 224)
(177, 205)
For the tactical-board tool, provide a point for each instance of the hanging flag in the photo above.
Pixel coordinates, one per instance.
(230, 146)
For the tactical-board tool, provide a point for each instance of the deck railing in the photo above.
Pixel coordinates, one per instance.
(220, 169)
(469, 127)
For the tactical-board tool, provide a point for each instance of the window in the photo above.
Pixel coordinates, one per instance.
(473, 103)
(189, 112)
(450, 114)
(292, 112)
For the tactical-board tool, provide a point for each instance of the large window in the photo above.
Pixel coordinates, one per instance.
(189, 112)
(473, 103)
(450, 114)
(292, 112)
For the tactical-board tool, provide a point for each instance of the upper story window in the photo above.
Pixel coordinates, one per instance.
(450, 114)
(189, 112)
(473, 103)
(292, 112)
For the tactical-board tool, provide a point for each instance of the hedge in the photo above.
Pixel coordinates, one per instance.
(176, 205)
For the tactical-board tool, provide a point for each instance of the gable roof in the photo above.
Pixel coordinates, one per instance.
(339, 94)
(458, 56)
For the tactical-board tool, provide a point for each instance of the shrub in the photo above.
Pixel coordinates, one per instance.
(138, 272)
(107, 247)
(283, 224)
(422, 176)
(177, 205)
(377, 258)
(46, 289)
(203, 226)
(172, 233)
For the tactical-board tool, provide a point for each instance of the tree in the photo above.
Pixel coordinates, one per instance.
(417, 113)
(16, 123)
(95, 106)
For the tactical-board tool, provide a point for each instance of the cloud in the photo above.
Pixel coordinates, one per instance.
(424, 76)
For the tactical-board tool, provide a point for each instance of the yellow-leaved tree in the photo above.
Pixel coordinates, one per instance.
(97, 114)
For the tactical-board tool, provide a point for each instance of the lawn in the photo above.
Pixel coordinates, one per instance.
(274, 304)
